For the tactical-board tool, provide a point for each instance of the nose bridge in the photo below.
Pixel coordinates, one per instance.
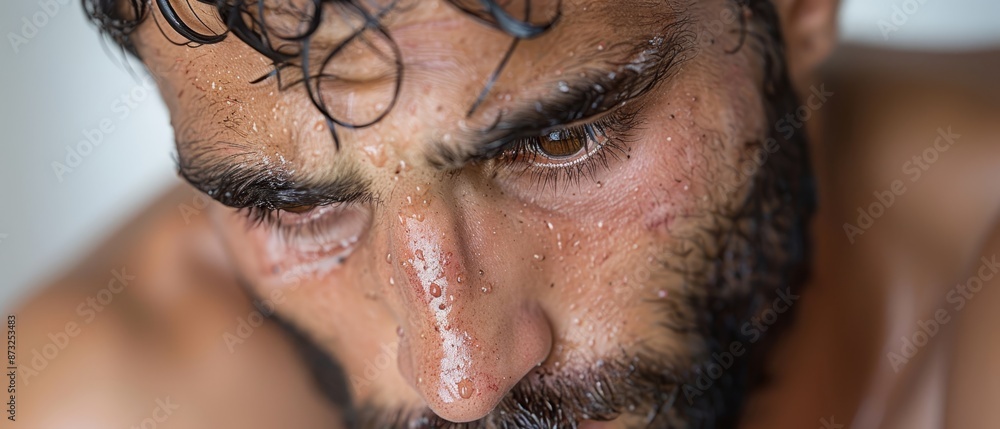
(464, 343)
(426, 249)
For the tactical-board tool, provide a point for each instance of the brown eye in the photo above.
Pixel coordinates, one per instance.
(560, 144)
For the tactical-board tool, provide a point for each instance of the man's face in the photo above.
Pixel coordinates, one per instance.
(485, 252)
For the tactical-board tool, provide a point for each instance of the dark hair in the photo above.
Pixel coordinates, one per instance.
(246, 20)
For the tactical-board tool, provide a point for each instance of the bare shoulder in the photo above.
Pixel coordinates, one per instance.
(137, 331)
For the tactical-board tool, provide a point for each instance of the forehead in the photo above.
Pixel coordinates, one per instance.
(438, 70)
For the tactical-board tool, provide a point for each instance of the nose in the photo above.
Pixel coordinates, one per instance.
(471, 327)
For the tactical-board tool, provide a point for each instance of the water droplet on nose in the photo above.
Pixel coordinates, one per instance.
(481, 273)
(563, 86)
(399, 331)
(441, 307)
(465, 388)
(434, 289)
(539, 257)
(662, 294)
(487, 288)
(459, 279)
(392, 281)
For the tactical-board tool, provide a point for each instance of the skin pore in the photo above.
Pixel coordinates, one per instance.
(571, 247)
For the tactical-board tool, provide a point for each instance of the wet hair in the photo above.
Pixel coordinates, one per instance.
(753, 249)
(247, 20)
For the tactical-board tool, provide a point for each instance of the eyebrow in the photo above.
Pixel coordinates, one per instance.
(590, 93)
(237, 176)
(242, 179)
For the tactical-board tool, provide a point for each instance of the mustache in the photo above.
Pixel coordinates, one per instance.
(641, 388)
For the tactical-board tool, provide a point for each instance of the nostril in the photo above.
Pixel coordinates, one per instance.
(463, 371)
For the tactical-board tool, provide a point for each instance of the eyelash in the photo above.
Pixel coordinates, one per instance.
(288, 225)
(616, 131)
(520, 159)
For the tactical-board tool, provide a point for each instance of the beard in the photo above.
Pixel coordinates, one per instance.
(754, 247)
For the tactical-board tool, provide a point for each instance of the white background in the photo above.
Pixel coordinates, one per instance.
(61, 83)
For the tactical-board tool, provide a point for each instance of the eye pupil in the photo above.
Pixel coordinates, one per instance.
(560, 145)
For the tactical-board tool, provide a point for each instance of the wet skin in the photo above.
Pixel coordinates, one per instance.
(471, 270)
